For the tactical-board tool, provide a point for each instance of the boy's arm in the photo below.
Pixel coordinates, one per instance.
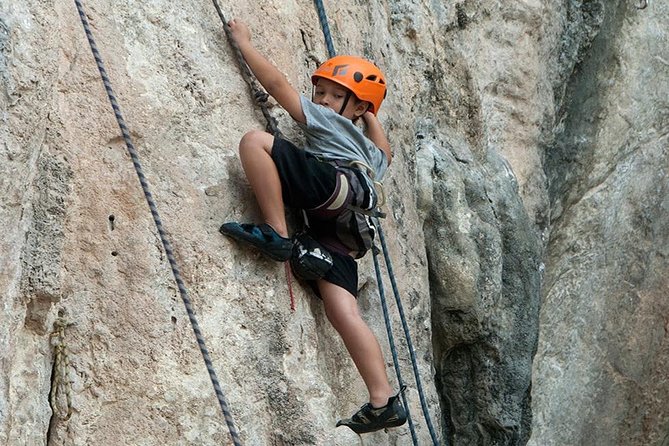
(267, 74)
(377, 135)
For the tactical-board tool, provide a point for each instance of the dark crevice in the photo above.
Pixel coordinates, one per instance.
(53, 421)
(569, 160)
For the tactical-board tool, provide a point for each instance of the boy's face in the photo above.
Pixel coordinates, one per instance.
(332, 95)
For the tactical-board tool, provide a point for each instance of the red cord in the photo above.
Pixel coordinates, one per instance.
(289, 280)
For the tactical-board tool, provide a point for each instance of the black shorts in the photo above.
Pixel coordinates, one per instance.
(306, 183)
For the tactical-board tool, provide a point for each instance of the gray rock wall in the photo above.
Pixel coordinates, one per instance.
(527, 225)
(600, 371)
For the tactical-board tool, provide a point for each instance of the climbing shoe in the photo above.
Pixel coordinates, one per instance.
(370, 419)
(263, 237)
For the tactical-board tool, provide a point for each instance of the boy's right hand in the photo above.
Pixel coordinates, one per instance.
(240, 31)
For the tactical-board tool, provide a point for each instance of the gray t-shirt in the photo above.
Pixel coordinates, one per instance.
(333, 137)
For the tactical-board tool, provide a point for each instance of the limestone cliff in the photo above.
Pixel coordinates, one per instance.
(527, 224)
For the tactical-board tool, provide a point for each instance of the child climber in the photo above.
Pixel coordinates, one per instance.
(321, 181)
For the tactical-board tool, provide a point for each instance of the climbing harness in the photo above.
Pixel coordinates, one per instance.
(378, 186)
(159, 226)
(331, 51)
(60, 379)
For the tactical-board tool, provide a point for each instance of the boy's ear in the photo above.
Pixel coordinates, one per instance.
(360, 108)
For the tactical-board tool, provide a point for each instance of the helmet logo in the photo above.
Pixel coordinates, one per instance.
(360, 76)
(340, 70)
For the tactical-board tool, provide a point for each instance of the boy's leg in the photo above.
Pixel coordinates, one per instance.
(271, 237)
(255, 152)
(341, 308)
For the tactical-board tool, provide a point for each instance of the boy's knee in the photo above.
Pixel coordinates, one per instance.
(256, 139)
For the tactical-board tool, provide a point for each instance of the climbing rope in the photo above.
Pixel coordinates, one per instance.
(330, 46)
(156, 218)
(60, 381)
(323, 19)
(259, 95)
(407, 334)
(391, 341)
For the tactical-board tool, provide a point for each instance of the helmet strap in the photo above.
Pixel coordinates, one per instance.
(343, 106)
(346, 99)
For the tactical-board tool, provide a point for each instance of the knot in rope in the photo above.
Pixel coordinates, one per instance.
(260, 95)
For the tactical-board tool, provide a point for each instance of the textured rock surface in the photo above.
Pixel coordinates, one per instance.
(604, 349)
(527, 213)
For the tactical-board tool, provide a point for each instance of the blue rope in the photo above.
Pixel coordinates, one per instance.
(391, 341)
(412, 352)
(323, 18)
(156, 218)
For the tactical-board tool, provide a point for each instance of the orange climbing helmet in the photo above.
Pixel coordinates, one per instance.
(359, 75)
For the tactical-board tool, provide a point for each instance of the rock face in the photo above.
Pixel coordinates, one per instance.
(527, 224)
(604, 345)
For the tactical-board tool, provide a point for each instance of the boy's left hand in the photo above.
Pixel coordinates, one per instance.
(369, 118)
(376, 134)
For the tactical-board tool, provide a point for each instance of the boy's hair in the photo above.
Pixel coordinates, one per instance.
(361, 77)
